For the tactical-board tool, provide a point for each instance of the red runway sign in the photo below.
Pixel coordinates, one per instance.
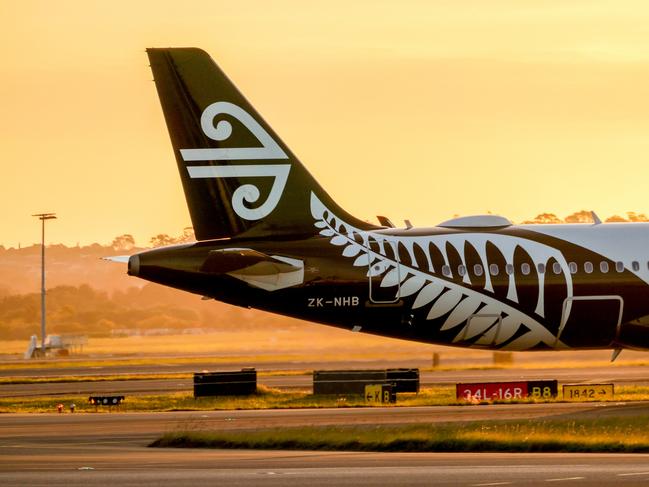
(502, 391)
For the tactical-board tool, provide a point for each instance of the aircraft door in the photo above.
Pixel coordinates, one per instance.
(590, 321)
(384, 273)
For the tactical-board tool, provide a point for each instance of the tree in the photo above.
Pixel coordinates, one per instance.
(545, 218)
(582, 216)
(187, 235)
(616, 219)
(161, 240)
(636, 217)
(123, 243)
(632, 216)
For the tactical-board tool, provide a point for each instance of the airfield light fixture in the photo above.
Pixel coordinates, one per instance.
(43, 217)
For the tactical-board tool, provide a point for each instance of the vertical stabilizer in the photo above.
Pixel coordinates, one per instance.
(238, 176)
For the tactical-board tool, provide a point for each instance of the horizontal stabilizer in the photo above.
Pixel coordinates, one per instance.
(122, 259)
(269, 272)
(228, 260)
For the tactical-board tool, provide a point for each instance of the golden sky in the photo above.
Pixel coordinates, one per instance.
(414, 109)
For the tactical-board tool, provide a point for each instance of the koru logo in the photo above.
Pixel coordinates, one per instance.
(269, 151)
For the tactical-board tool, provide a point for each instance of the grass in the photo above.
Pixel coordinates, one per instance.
(125, 377)
(302, 338)
(299, 343)
(90, 378)
(596, 435)
(265, 398)
(244, 360)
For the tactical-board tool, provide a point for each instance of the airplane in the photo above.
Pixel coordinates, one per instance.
(270, 237)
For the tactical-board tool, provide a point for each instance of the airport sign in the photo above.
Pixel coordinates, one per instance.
(588, 392)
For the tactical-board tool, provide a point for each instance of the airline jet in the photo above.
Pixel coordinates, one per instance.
(270, 237)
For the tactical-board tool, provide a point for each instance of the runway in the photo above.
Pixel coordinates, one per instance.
(109, 465)
(638, 375)
(95, 449)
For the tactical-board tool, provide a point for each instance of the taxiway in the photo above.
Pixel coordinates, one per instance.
(101, 449)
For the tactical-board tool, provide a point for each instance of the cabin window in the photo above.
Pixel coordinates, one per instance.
(477, 270)
(493, 269)
(603, 266)
(541, 268)
(556, 268)
(635, 265)
(461, 270)
(525, 268)
(446, 270)
(588, 267)
(619, 266)
(573, 268)
(509, 269)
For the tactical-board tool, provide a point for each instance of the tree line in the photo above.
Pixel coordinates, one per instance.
(585, 216)
(87, 311)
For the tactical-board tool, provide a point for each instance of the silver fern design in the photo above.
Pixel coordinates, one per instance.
(479, 308)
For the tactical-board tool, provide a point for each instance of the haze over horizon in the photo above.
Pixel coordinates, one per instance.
(415, 110)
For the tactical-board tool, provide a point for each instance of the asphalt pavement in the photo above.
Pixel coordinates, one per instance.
(110, 449)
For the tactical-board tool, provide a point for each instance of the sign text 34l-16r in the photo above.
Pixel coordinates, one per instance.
(502, 391)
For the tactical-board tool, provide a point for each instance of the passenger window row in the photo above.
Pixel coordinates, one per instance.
(526, 269)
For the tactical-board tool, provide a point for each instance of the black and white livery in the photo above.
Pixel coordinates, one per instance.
(270, 237)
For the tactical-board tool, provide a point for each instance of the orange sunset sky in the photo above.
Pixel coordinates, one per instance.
(413, 109)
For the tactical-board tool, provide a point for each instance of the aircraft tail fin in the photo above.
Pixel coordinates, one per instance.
(238, 176)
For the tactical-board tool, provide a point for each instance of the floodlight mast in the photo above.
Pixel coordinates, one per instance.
(43, 217)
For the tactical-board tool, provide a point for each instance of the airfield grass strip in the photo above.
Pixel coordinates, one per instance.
(128, 377)
(91, 378)
(266, 398)
(58, 363)
(616, 435)
(245, 360)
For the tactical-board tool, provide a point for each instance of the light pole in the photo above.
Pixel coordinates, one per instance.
(42, 217)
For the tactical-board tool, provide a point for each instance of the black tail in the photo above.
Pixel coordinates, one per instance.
(238, 176)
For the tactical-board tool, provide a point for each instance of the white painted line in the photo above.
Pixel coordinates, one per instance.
(491, 483)
(566, 478)
(632, 473)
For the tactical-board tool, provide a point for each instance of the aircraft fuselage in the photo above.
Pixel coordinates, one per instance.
(530, 287)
